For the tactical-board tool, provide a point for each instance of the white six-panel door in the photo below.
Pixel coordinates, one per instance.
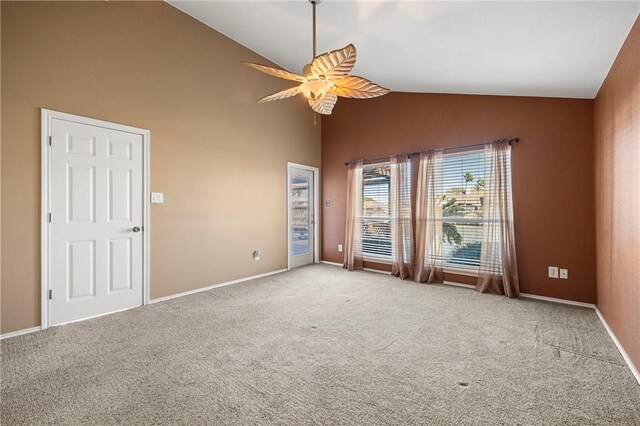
(96, 236)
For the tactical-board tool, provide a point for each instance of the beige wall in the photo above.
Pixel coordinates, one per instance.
(617, 141)
(219, 158)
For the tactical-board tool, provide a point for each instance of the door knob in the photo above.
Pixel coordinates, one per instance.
(136, 229)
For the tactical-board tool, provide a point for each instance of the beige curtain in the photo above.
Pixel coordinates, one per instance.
(498, 265)
(353, 229)
(428, 248)
(401, 218)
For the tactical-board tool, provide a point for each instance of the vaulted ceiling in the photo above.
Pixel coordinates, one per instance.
(555, 48)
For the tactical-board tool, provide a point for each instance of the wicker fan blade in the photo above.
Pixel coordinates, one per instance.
(281, 95)
(306, 71)
(325, 104)
(276, 72)
(353, 86)
(335, 64)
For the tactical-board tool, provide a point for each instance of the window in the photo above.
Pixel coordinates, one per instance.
(376, 213)
(461, 196)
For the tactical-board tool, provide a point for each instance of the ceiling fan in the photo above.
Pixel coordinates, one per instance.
(325, 78)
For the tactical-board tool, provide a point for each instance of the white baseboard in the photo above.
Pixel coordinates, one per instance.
(94, 316)
(173, 296)
(19, 332)
(624, 354)
(198, 290)
(532, 296)
(364, 269)
(451, 283)
(554, 300)
(471, 287)
(377, 271)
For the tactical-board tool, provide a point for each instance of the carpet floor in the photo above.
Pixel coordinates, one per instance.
(320, 345)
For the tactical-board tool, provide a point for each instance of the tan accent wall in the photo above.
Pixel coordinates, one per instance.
(617, 148)
(552, 171)
(219, 158)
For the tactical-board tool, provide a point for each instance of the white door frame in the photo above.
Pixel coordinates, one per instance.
(46, 115)
(316, 211)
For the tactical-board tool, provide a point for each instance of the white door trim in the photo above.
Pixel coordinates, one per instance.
(46, 116)
(316, 211)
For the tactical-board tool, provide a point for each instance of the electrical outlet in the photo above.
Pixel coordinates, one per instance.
(340, 247)
(327, 203)
(564, 274)
(256, 255)
(157, 197)
(553, 272)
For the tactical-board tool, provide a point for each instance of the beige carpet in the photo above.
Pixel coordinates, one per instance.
(320, 345)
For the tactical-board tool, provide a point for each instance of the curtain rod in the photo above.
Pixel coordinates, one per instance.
(446, 150)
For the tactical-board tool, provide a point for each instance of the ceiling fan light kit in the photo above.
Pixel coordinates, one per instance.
(325, 78)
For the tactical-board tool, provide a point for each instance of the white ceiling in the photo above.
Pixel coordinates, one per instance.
(557, 48)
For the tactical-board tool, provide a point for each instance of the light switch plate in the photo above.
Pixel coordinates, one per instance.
(339, 247)
(564, 274)
(157, 197)
(553, 272)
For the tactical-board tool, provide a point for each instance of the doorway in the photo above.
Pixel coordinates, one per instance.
(94, 210)
(302, 215)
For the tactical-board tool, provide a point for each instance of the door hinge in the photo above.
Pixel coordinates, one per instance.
(50, 294)
(50, 138)
(50, 217)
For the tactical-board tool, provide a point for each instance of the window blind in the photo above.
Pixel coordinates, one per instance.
(461, 194)
(376, 213)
